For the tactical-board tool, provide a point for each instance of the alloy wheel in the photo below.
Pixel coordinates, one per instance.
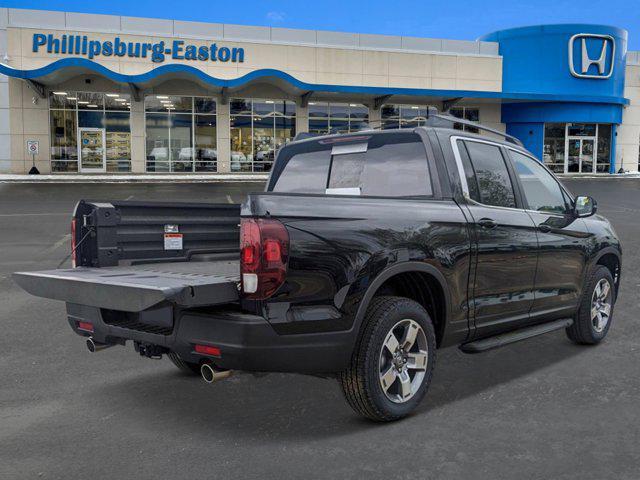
(601, 305)
(403, 361)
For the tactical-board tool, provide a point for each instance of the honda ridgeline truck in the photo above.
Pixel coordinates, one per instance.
(365, 254)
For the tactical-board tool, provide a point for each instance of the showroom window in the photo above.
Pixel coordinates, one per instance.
(102, 121)
(577, 147)
(467, 113)
(180, 134)
(404, 116)
(337, 117)
(603, 158)
(259, 127)
(554, 145)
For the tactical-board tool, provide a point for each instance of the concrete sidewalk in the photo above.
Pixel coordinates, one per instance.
(138, 178)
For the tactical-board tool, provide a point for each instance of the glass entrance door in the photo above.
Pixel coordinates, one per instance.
(579, 156)
(91, 151)
(587, 159)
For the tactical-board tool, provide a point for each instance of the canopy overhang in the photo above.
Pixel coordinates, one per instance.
(68, 68)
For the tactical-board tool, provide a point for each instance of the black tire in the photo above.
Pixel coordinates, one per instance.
(186, 367)
(361, 382)
(583, 331)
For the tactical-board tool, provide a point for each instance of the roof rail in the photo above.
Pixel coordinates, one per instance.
(438, 120)
(304, 135)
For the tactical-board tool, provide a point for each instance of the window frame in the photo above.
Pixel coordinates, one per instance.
(76, 108)
(462, 127)
(253, 115)
(565, 193)
(338, 118)
(193, 114)
(508, 162)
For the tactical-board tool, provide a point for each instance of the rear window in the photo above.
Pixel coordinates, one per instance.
(387, 165)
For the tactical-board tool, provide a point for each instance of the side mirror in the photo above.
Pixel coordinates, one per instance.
(585, 206)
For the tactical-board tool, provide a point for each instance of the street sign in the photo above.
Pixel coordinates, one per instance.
(33, 147)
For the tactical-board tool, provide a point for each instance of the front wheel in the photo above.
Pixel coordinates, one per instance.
(595, 314)
(393, 360)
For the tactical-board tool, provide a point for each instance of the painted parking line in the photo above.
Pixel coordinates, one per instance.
(32, 214)
(65, 239)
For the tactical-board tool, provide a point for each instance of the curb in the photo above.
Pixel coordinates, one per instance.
(34, 179)
(602, 176)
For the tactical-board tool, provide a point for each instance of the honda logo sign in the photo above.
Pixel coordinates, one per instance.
(591, 55)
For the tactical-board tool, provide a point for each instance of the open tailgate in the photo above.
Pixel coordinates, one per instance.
(136, 288)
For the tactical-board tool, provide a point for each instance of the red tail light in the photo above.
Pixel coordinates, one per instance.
(73, 243)
(86, 326)
(207, 350)
(264, 252)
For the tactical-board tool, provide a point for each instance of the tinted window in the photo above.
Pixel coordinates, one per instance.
(305, 172)
(540, 189)
(394, 165)
(469, 174)
(493, 182)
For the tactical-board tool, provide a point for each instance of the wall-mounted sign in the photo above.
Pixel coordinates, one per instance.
(591, 55)
(157, 52)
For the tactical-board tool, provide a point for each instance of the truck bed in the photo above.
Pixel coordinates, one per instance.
(138, 287)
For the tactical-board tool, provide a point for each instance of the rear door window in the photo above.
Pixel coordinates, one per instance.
(487, 175)
(387, 165)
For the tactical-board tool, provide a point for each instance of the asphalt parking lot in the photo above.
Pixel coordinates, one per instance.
(544, 408)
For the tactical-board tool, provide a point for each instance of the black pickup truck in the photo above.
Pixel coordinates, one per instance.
(365, 253)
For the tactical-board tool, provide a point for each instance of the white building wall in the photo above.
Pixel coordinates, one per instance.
(628, 139)
(5, 117)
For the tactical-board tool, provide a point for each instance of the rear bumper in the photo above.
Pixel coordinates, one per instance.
(246, 342)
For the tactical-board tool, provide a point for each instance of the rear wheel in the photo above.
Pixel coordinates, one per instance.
(393, 361)
(595, 315)
(186, 367)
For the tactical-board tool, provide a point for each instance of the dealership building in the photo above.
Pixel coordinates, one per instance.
(84, 93)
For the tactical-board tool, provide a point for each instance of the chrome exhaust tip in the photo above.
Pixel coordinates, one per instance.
(212, 374)
(94, 346)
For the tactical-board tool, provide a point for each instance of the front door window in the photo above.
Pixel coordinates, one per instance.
(91, 150)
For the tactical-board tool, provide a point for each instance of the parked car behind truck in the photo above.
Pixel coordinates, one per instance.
(365, 254)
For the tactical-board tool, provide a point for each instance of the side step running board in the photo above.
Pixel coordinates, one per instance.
(515, 336)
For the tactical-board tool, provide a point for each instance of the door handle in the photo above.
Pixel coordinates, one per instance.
(487, 223)
(544, 228)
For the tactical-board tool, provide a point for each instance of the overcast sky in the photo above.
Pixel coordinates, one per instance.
(454, 19)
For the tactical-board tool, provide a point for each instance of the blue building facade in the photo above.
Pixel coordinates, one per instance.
(583, 67)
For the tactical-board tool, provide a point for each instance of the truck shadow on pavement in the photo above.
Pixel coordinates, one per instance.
(289, 407)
